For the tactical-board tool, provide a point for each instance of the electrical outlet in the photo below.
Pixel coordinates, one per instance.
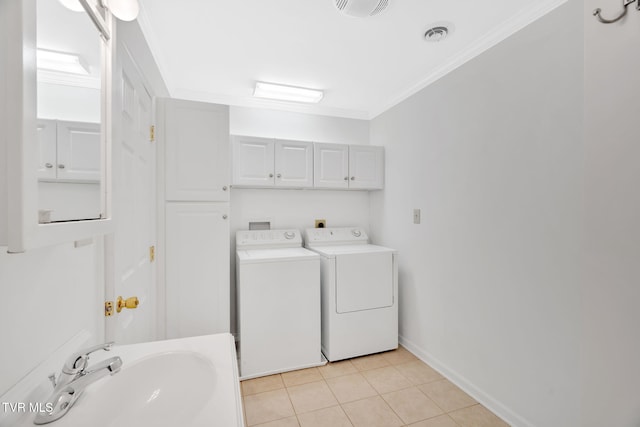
(321, 223)
(416, 216)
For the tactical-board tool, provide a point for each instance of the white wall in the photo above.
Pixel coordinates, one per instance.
(61, 102)
(490, 281)
(295, 208)
(48, 296)
(611, 292)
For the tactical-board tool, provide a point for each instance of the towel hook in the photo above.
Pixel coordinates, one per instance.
(625, 3)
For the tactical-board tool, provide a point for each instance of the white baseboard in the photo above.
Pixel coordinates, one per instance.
(467, 386)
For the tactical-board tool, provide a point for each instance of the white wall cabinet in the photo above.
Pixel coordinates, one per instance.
(197, 269)
(358, 167)
(263, 162)
(196, 151)
(68, 151)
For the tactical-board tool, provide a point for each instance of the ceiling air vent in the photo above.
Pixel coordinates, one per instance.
(361, 8)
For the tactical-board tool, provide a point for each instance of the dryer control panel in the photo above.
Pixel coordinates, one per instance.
(252, 239)
(335, 236)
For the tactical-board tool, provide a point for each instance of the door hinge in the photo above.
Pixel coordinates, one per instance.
(152, 253)
(108, 308)
(152, 133)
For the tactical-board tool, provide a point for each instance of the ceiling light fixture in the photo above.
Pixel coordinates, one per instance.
(61, 61)
(287, 93)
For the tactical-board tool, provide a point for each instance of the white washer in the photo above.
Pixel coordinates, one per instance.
(278, 300)
(359, 292)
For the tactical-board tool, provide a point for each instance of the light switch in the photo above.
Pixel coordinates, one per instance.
(416, 216)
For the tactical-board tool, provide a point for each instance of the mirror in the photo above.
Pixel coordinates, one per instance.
(70, 153)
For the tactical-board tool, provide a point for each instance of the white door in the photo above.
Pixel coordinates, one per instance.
(130, 273)
(79, 151)
(197, 269)
(196, 139)
(294, 164)
(253, 163)
(331, 165)
(366, 167)
(47, 163)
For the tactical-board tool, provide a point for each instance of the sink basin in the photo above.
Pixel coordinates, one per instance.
(169, 389)
(189, 382)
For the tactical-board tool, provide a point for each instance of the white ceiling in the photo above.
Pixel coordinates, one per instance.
(215, 50)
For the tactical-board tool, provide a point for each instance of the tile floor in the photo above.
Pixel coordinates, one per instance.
(391, 389)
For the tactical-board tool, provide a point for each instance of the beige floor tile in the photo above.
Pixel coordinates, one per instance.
(267, 406)
(348, 388)
(386, 379)
(328, 417)
(336, 369)
(301, 376)
(400, 355)
(372, 361)
(412, 405)
(285, 422)
(371, 412)
(476, 416)
(310, 397)
(262, 384)
(418, 372)
(441, 421)
(447, 395)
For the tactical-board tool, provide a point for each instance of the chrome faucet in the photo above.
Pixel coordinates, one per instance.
(73, 379)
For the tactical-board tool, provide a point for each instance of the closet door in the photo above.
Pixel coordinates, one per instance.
(366, 167)
(197, 269)
(78, 151)
(253, 161)
(331, 165)
(47, 158)
(293, 164)
(197, 151)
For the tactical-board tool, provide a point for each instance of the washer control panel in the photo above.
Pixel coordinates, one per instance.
(268, 238)
(335, 236)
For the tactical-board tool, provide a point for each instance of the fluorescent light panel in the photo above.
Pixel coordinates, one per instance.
(62, 62)
(287, 93)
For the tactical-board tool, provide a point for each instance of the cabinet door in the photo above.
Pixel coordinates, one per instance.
(78, 151)
(366, 167)
(293, 164)
(197, 269)
(331, 165)
(47, 164)
(253, 161)
(196, 139)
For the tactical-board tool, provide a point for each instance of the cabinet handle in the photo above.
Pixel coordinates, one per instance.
(353, 178)
(224, 188)
(279, 175)
(224, 217)
(270, 175)
(48, 165)
(346, 178)
(60, 166)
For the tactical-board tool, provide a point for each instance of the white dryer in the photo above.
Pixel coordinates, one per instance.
(278, 301)
(359, 284)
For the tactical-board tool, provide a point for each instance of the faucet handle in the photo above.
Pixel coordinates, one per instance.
(77, 362)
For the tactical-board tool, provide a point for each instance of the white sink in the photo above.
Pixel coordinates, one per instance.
(191, 382)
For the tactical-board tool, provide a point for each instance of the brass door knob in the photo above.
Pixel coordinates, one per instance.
(130, 303)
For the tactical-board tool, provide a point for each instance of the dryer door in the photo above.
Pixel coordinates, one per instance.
(364, 281)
